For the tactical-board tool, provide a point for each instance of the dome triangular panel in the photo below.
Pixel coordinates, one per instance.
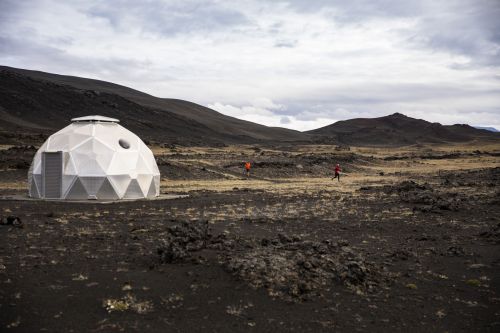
(134, 191)
(142, 166)
(58, 142)
(77, 191)
(144, 182)
(70, 168)
(37, 179)
(92, 184)
(107, 191)
(152, 190)
(33, 190)
(67, 182)
(120, 183)
(78, 140)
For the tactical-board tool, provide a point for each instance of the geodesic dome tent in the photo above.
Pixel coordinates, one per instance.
(94, 158)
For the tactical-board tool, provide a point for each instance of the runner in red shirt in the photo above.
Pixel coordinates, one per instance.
(247, 168)
(338, 170)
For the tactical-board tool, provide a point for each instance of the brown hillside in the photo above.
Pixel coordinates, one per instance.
(38, 101)
(397, 130)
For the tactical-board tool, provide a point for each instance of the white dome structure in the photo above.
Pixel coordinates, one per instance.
(94, 158)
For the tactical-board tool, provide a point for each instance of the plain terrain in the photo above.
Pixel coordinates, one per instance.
(407, 240)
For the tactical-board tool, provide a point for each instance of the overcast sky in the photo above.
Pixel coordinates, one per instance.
(300, 64)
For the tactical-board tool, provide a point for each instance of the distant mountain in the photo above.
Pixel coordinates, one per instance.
(491, 129)
(396, 130)
(35, 104)
(32, 102)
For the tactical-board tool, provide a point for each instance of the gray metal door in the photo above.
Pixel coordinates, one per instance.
(52, 165)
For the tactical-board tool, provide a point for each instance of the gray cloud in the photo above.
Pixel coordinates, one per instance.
(39, 55)
(465, 27)
(359, 10)
(295, 63)
(285, 120)
(168, 18)
(285, 43)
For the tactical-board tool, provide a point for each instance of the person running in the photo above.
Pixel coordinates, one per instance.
(338, 170)
(247, 168)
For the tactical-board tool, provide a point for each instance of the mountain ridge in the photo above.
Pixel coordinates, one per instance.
(487, 128)
(397, 129)
(35, 102)
(24, 94)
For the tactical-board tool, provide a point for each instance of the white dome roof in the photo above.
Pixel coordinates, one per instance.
(96, 118)
(99, 160)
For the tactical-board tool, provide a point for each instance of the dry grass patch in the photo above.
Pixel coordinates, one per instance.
(290, 186)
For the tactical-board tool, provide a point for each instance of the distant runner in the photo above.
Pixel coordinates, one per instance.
(247, 168)
(338, 170)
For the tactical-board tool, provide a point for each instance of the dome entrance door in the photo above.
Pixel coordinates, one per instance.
(52, 167)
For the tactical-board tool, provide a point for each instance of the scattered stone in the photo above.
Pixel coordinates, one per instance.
(455, 251)
(440, 313)
(15, 323)
(126, 286)
(11, 220)
(234, 310)
(296, 270)
(286, 266)
(183, 239)
(402, 254)
(425, 198)
(492, 235)
(174, 301)
(80, 277)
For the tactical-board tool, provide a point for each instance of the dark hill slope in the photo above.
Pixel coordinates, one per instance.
(38, 100)
(396, 130)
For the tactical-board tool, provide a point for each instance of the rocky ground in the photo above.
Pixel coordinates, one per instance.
(404, 242)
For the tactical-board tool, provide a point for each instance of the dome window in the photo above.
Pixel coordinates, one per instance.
(124, 143)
